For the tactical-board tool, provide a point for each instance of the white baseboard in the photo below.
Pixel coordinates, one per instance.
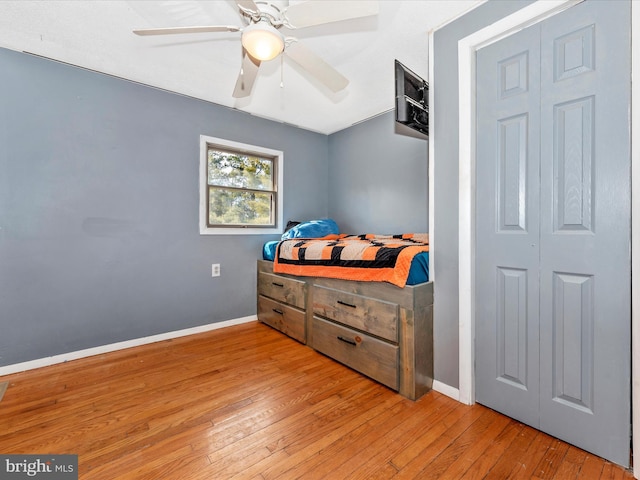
(136, 342)
(447, 390)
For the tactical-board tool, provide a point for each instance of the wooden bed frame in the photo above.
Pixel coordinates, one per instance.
(378, 329)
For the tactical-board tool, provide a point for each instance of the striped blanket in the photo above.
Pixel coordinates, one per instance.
(371, 258)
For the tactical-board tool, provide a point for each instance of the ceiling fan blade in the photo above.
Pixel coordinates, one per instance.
(173, 30)
(248, 5)
(247, 77)
(316, 66)
(316, 13)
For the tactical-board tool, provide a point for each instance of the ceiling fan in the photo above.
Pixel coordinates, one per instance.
(262, 41)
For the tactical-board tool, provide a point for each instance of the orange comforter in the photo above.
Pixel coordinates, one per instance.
(371, 258)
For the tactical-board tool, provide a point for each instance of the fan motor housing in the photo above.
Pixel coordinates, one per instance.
(272, 11)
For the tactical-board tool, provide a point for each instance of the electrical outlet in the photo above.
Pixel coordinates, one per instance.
(215, 270)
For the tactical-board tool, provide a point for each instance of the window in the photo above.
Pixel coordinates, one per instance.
(240, 188)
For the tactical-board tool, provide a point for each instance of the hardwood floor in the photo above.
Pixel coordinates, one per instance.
(246, 402)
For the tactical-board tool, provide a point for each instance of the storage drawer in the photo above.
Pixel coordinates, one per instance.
(370, 315)
(288, 320)
(283, 289)
(372, 357)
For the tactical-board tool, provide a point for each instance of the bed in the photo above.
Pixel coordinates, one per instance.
(376, 319)
(318, 249)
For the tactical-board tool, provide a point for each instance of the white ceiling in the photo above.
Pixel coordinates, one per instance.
(96, 34)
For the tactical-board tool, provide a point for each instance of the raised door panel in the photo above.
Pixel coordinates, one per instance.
(572, 380)
(511, 328)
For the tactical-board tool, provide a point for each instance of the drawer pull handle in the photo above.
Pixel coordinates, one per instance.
(279, 312)
(347, 340)
(278, 284)
(346, 304)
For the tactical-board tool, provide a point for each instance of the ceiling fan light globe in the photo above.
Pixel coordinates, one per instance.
(262, 41)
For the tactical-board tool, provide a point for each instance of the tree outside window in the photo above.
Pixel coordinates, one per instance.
(241, 188)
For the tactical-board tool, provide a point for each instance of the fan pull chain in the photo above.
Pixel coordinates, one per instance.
(281, 71)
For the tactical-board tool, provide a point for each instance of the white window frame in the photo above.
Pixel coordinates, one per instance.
(278, 160)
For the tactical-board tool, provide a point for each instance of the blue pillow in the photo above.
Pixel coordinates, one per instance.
(269, 250)
(312, 229)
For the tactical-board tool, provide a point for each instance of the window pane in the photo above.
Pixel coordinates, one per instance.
(239, 171)
(233, 207)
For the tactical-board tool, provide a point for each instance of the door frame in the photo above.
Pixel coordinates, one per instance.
(467, 47)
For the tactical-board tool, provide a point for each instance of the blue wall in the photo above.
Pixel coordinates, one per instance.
(99, 239)
(378, 180)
